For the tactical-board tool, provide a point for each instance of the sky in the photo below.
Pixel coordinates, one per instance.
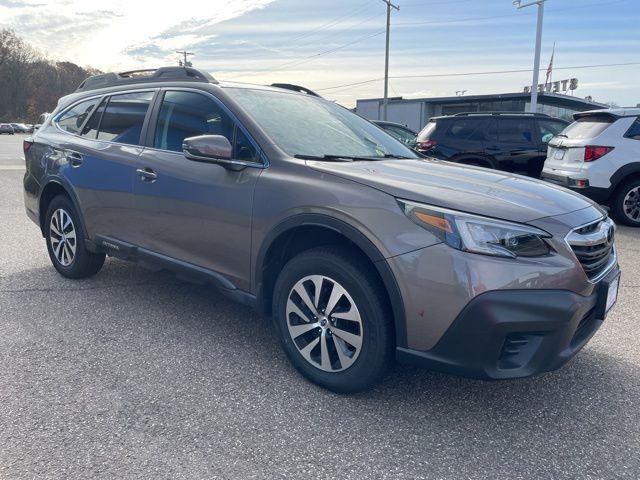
(324, 44)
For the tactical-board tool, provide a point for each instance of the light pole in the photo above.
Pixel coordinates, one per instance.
(385, 102)
(536, 58)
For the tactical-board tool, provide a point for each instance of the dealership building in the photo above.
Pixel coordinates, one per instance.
(416, 112)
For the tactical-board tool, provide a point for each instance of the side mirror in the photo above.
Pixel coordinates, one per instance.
(207, 148)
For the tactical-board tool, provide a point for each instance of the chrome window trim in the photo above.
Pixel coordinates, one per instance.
(613, 261)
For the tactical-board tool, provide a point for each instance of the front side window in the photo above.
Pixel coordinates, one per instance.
(311, 126)
(549, 129)
(123, 118)
(71, 120)
(188, 114)
(512, 130)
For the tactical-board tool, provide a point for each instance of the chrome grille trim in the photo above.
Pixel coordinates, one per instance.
(593, 246)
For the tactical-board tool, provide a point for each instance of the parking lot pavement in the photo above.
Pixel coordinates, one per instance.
(137, 374)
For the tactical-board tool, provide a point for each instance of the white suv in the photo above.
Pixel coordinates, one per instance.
(598, 155)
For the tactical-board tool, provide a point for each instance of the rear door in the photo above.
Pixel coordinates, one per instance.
(515, 145)
(95, 145)
(190, 211)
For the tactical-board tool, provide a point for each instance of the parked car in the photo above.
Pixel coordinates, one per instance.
(360, 250)
(513, 142)
(399, 131)
(599, 156)
(6, 128)
(41, 120)
(20, 128)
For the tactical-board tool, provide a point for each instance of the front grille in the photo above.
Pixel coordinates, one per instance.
(593, 246)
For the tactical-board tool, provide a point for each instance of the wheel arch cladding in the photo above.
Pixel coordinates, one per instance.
(52, 189)
(306, 231)
(625, 173)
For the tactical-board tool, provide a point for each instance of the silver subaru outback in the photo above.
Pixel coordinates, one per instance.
(360, 250)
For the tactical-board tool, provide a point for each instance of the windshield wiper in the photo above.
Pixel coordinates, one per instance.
(391, 155)
(331, 158)
(562, 135)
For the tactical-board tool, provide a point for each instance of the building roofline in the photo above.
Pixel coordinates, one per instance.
(472, 98)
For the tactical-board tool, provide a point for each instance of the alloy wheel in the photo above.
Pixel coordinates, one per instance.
(631, 204)
(324, 323)
(62, 235)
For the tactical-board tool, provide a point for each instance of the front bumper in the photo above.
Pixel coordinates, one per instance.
(516, 333)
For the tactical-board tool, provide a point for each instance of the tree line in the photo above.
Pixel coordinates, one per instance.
(30, 84)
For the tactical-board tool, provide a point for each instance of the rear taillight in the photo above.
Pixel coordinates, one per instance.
(426, 145)
(26, 145)
(594, 152)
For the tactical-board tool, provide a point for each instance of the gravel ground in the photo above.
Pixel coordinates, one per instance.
(133, 374)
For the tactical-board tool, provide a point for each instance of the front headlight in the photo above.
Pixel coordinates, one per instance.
(472, 233)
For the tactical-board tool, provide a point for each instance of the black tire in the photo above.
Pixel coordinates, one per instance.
(82, 263)
(631, 218)
(358, 277)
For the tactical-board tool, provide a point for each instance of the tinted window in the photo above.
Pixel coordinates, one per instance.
(634, 130)
(588, 127)
(72, 119)
(90, 129)
(515, 130)
(123, 118)
(549, 129)
(244, 149)
(464, 130)
(188, 114)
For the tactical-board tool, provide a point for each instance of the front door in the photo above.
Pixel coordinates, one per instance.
(196, 212)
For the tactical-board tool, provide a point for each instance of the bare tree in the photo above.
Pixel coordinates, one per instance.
(29, 83)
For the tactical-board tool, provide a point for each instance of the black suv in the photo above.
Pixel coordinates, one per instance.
(513, 142)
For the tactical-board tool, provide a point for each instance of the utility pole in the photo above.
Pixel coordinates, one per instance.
(386, 59)
(536, 58)
(184, 63)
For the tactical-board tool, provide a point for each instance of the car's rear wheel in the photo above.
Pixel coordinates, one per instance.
(65, 241)
(332, 316)
(625, 205)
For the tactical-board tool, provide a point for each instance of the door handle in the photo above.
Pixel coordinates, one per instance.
(146, 174)
(74, 158)
(493, 149)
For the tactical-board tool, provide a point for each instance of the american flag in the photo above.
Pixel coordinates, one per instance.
(550, 69)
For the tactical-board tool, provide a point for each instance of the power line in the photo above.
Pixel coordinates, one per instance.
(469, 74)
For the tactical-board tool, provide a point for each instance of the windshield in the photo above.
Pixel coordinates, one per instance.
(305, 125)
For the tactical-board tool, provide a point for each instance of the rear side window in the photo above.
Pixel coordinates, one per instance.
(188, 114)
(90, 129)
(427, 132)
(123, 118)
(464, 130)
(588, 127)
(634, 130)
(72, 120)
(513, 130)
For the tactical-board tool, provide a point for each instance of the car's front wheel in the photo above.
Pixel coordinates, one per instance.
(625, 207)
(65, 241)
(333, 318)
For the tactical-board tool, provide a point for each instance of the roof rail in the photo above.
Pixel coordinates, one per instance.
(467, 114)
(163, 74)
(295, 88)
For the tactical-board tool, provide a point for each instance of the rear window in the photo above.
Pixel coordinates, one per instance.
(588, 127)
(427, 131)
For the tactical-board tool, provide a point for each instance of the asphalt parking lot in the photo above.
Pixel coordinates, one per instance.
(133, 374)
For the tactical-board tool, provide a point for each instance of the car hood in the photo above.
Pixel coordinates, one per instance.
(461, 187)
